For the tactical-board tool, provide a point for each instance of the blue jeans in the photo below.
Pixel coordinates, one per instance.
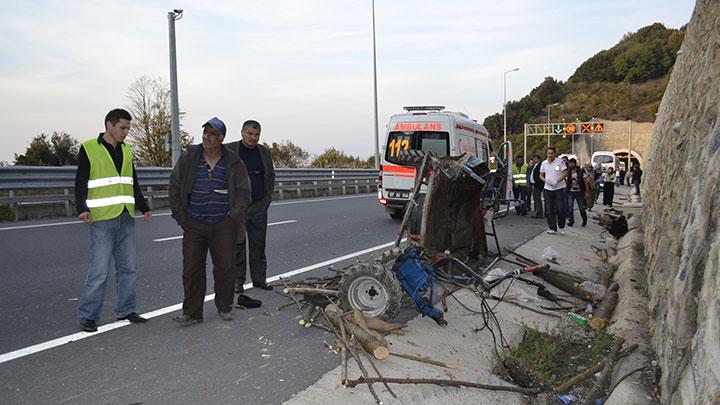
(110, 239)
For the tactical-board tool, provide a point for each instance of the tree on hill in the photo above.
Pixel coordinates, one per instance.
(333, 158)
(151, 125)
(624, 82)
(60, 149)
(287, 154)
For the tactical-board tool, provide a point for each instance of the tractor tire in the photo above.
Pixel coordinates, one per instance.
(371, 289)
(397, 214)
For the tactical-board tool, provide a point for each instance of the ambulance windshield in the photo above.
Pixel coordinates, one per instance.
(427, 141)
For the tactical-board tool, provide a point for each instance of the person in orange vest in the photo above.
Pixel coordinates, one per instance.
(106, 195)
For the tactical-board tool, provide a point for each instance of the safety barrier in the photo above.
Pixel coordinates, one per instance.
(28, 186)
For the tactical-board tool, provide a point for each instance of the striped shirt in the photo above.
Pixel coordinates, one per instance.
(209, 200)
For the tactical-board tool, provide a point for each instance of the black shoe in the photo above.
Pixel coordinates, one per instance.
(88, 325)
(133, 317)
(239, 289)
(184, 319)
(245, 302)
(571, 223)
(263, 286)
(584, 222)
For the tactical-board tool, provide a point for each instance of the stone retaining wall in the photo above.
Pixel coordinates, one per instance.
(681, 194)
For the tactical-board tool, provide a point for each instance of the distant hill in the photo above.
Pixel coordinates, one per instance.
(625, 82)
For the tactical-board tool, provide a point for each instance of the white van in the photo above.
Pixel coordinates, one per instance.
(606, 159)
(428, 129)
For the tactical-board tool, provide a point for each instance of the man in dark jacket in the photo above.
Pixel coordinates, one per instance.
(576, 190)
(537, 186)
(258, 160)
(636, 178)
(209, 194)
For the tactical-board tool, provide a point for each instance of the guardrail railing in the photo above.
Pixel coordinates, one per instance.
(24, 186)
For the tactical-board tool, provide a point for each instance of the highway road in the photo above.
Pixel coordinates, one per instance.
(262, 356)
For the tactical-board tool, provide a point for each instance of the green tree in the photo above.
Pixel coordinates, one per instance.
(333, 158)
(151, 124)
(60, 149)
(287, 154)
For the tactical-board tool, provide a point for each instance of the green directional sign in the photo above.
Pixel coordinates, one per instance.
(558, 128)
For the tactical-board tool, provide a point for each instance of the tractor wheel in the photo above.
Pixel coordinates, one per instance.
(371, 289)
(397, 214)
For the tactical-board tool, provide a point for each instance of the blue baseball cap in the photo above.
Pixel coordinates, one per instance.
(216, 123)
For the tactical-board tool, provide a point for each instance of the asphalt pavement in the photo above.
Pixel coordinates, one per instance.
(262, 356)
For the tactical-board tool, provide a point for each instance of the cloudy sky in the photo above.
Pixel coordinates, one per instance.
(301, 68)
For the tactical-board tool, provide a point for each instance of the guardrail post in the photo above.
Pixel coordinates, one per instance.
(67, 203)
(280, 190)
(315, 192)
(343, 188)
(357, 187)
(330, 192)
(150, 198)
(13, 206)
(299, 190)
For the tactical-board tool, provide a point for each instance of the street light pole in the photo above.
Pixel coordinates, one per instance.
(375, 97)
(174, 105)
(548, 120)
(505, 102)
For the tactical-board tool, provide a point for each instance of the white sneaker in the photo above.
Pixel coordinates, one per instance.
(562, 231)
(551, 232)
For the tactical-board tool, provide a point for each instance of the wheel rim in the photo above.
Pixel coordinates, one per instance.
(368, 295)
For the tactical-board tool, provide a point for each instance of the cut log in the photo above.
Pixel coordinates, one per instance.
(603, 382)
(564, 282)
(376, 347)
(307, 290)
(606, 307)
(359, 319)
(382, 326)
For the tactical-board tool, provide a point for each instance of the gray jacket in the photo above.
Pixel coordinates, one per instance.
(268, 168)
(183, 177)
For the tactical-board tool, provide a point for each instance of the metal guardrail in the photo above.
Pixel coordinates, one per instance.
(55, 185)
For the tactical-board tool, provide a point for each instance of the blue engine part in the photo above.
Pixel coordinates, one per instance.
(416, 276)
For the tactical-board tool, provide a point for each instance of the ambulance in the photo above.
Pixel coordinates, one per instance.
(427, 129)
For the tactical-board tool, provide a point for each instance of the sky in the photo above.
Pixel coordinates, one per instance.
(303, 69)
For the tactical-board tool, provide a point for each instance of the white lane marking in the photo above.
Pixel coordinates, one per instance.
(324, 199)
(180, 237)
(162, 214)
(162, 311)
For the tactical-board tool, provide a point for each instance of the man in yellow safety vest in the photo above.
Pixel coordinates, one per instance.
(520, 186)
(106, 195)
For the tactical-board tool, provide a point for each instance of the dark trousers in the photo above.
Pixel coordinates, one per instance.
(537, 200)
(567, 205)
(578, 196)
(220, 240)
(522, 197)
(608, 193)
(254, 244)
(554, 208)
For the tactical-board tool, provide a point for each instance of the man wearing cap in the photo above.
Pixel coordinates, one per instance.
(209, 193)
(258, 160)
(106, 194)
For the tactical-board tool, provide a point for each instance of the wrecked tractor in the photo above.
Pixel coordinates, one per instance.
(454, 201)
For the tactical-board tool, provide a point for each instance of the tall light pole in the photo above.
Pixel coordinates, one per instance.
(548, 119)
(174, 105)
(505, 102)
(377, 136)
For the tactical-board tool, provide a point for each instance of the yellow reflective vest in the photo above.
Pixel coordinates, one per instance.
(109, 192)
(519, 176)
